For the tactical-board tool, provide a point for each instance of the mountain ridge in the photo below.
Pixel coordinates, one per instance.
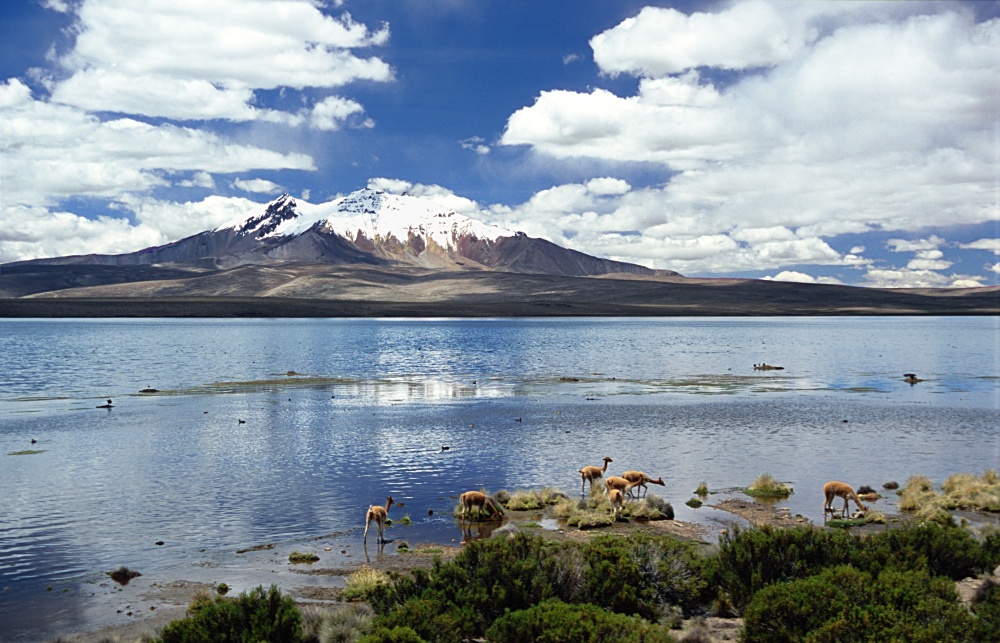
(365, 227)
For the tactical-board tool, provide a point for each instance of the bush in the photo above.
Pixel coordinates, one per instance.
(749, 560)
(555, 621)
(255, 616)
(845, 604)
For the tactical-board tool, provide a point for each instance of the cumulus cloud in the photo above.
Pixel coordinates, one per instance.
(259, 186)
(801, 277)
(56, 151)
(441, 195)
(836, 118)
(475, 143)
(662, 41)
(36, 232)
(202, 61)
(992, 245)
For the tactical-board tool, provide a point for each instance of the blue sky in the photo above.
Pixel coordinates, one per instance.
(842, 142)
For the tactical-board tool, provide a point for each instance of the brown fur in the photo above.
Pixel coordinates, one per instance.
(617, 503)
(379, 515)
(834, 489)
(471, 499)
(591, 473)
(639, 479)
(619, 483)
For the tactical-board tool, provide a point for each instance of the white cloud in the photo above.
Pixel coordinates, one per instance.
(995, 268)
(198, 180)
(842, 118)
(36, 232)
(476, 144)
(993, 245)
(329, 113)
(437, 193)
(201, 61)
(55, 151)
(929, 244)
(801, 277)
(909, 278)
(259, 186)
(662, 41)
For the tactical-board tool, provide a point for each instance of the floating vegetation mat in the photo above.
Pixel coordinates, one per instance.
(27, 452)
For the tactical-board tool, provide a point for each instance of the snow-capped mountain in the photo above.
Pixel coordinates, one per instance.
(366, 227)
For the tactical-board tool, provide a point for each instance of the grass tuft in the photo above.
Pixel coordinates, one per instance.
(765, 486)
(364, 581)
(302, 557)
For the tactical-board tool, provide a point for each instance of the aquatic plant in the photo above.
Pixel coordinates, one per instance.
(702, 489)
(302, 557)
(694, 503)
(528, 500)
(765, 486)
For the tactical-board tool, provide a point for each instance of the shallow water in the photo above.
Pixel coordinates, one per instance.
(337, 414)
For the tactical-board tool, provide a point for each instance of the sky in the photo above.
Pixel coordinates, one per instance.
(829, 142)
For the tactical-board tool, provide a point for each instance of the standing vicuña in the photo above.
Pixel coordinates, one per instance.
(477, 499)
(639, 479)
(379, 515)
(834, 489)
(591, 473)
(617, 503)
(619, 483)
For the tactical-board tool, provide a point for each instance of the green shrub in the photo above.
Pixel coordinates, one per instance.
(751, 559)
(255, 616)
(942, 550)
(986, 626)
(554, 621)
(845, 604)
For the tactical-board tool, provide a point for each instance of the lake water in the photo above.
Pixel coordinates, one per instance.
(284, 431)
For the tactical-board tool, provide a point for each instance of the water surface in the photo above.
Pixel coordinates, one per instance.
(284, 431)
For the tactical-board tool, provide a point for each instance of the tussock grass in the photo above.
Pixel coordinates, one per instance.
(702, 489)
(362, 582)
(959, 491)
(530, 499)
(334, 625)
(302, 557)
(765, 486)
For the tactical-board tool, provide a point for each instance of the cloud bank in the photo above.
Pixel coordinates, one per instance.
(843, 119)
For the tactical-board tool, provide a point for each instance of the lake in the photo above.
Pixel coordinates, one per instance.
(284, 431)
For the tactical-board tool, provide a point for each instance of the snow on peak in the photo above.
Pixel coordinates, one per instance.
(373, 214)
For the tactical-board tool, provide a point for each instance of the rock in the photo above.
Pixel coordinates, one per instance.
(972, 590)
(891, 485)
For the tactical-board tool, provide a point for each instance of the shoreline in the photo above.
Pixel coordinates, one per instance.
(146, 604)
